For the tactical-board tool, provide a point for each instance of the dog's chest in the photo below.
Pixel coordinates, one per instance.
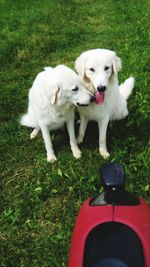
(56, 117)
(97, 112)
(94, 112)
(57, 120)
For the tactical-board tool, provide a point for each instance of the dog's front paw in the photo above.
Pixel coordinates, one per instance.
(104, 153)
(76, 153)
(51, 158)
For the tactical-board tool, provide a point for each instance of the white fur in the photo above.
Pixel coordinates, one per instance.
(90, 66)
(52, 100)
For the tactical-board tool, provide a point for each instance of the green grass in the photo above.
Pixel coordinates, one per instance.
(39, 201)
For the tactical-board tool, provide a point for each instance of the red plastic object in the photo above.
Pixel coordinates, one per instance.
(87, 219)
(136, 217)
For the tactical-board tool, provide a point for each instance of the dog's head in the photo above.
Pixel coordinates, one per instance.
(68, 88)
(96, 67)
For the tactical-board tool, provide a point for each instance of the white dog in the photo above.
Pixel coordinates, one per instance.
(98, 68)
(52, 99)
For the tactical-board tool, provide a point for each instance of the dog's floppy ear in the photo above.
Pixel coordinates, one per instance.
(56, 95)
(80, 66)
(116, 64)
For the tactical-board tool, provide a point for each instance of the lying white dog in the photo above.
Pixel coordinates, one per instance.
(98, 69)
(52, 99)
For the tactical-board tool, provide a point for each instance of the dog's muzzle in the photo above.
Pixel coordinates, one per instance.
(92, 99)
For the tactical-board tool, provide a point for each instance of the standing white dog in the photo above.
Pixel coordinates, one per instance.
(98, 68)
(52, 99)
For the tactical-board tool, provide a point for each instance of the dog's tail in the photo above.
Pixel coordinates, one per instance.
(25, 120)
(48, 68)
(28, 120)
(127, 87)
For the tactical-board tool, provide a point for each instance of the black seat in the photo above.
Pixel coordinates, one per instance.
(113, 244)
(110, 263)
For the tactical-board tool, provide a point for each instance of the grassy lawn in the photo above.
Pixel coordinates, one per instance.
(39, 201)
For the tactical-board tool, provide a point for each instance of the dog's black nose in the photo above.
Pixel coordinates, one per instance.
(93, 98)
(101, 88)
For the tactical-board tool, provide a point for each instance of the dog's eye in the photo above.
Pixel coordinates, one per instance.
(91, 69)
(106, 68)
(75, 89)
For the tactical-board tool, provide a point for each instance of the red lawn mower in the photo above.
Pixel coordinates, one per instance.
(113, 229)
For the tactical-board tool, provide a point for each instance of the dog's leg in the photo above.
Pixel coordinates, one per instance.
(73, 143)
(34, 133)
(82, 129)
(102, 125)
(48, 143)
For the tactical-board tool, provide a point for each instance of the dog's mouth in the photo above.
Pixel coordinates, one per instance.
(82, 105)
(100, 96)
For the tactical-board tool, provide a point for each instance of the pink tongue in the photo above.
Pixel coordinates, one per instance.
(100, 97)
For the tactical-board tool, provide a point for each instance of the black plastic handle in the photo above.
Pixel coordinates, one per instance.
(112, 176)
(113, 182)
